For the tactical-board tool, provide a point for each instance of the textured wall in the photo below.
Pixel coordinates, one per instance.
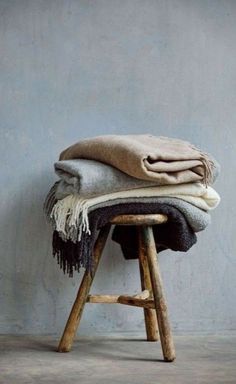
(73, 69)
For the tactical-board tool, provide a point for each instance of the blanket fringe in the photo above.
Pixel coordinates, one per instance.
(208, 174)
(207, 163)
(70, 217)
(72, 256)
(208, 166)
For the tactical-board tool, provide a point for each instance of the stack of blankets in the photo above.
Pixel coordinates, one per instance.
(106, 176)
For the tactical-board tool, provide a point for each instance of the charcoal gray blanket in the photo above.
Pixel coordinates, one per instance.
(176, 234)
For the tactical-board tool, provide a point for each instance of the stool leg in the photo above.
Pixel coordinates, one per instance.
(77, 309)
(149, 314)
(159, 299)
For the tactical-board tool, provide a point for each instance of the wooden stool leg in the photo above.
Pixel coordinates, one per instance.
(149, 314)
(77, 309)
(159, 299)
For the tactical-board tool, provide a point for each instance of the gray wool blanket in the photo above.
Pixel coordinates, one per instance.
(86, 185)
(91, 178)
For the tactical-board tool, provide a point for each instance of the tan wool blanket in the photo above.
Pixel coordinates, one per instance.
(146, 157)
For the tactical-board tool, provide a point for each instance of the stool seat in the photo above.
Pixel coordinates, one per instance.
(139, 219)
(151, 298)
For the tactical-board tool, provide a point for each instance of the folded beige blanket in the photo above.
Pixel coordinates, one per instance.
(146, 157)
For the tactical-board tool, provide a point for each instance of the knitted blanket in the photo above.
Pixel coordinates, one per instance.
(175, 234)
(70, 215)
(197, 218)
(147, 157)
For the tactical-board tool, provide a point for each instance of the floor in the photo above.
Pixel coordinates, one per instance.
(200, 359)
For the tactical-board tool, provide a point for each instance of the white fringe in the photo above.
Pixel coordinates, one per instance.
(70, 217)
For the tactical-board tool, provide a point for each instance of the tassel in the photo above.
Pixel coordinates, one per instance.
(70, 217)
(208, 169)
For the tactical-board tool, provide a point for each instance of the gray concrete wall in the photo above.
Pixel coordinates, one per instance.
(74, 69)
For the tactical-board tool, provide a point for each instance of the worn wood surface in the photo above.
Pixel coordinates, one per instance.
(103, 299)
(138, 300)
(159, 298)
(139, 219)
(114, 298)
(121, 299)
(150, 316)
(77, 309)
(129, 300)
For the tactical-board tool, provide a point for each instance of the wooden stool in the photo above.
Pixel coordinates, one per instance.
(151, 298)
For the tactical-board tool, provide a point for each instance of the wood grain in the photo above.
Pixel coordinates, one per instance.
(77, 309)
(139, 219)
(158, 293)
(150, 316)
(138, 300)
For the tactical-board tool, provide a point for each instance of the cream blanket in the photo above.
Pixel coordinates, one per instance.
(146, 157)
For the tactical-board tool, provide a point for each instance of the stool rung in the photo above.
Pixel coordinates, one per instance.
(108, 299)
(139, 300)
(129, 300)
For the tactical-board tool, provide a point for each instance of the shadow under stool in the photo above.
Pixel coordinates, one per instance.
(151, 299)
